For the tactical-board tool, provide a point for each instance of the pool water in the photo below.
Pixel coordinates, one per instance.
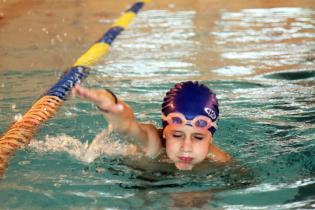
(261, 64)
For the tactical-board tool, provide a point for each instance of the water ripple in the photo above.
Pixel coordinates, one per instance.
(158, 43)
(252, 38)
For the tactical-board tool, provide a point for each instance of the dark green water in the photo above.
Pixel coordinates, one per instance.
(267, 120)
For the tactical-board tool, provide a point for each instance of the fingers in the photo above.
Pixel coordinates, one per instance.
(75, 89)
(94, 96)
(101, 98)
(78, 90)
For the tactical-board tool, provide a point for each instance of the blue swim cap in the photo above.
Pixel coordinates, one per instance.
(191, 99)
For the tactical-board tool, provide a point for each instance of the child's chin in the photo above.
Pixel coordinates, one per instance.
(184, 166)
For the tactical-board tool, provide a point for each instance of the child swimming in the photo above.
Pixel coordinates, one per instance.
(190, 113)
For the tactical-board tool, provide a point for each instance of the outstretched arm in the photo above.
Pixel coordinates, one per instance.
(121, 118)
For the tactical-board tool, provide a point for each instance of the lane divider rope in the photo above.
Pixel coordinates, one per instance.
(19, 134)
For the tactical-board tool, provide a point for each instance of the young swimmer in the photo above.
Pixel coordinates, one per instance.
(190, 112)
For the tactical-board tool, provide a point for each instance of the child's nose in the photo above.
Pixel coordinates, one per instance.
(187, 145)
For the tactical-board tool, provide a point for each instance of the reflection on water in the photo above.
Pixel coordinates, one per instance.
(264, 40)
(267, 120)
(159, 43)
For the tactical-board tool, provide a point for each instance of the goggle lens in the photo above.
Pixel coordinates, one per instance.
(201, 123)
(178, 119)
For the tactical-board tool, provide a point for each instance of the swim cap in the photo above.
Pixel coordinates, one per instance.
(191, 99)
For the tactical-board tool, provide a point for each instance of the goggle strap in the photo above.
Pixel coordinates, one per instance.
(212, 130)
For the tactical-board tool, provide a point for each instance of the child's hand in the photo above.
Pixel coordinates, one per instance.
(101, 98)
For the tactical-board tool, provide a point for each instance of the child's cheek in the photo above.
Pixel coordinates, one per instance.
(171, 149)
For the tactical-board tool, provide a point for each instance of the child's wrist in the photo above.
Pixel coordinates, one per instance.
(113, 95)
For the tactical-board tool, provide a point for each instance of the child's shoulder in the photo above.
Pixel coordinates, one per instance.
(153, 139)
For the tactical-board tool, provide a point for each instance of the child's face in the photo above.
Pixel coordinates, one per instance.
(186, 146)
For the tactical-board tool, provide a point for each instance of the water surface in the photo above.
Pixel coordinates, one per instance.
(259, 61)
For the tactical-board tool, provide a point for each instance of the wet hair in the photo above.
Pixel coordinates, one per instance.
(191, 99)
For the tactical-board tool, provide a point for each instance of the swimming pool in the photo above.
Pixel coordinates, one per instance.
(262, 70)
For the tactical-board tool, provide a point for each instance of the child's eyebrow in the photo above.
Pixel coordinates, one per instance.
(176, 131)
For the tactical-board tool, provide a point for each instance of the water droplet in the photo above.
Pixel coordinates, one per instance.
(13, 106)
(24, 162)
(171, 6)
(18, 117)
(45, 30)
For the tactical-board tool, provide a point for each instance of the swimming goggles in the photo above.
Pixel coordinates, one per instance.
(178, 119)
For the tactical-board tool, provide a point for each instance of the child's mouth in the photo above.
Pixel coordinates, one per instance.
(186, 159)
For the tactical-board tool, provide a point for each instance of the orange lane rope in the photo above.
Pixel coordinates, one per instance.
(21, 132)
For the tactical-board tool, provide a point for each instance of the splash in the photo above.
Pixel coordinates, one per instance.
(103, 144)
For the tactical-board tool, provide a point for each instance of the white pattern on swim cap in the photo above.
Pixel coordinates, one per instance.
(210, 113)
